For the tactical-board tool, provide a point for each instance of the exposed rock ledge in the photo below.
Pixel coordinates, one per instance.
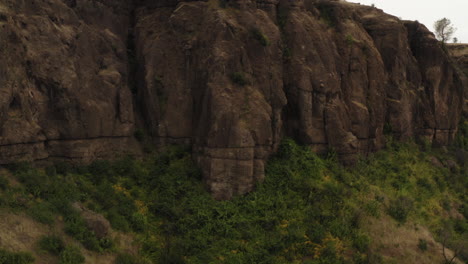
(232, 79)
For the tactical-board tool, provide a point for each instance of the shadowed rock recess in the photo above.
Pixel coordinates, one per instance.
(231, 78)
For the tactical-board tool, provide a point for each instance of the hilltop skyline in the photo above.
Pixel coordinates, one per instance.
(427, 12)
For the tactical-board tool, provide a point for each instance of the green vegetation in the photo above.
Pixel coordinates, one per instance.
(462, 137)
(223, 3)
(7, 257)
(139, 135)
(422, 245)
(327, 14)
(282, 17)
(125, 258)
(239, 78)
(52, 244)
(350, 40)
(161, 95)
(309, 209)
(260, 37)
(71, 255)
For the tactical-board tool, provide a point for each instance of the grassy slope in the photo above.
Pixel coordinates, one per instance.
(386, 209)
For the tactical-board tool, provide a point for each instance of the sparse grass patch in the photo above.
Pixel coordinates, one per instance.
(350, 40)
(7, 257)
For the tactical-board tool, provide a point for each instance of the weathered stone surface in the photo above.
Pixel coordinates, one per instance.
(332, 75)
(63, 81)
(459, 52)
(231, 79)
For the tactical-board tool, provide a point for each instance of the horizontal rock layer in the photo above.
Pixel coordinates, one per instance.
(231, 78)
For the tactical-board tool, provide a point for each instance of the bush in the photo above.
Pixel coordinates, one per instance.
(350, 40)
(239, 78)
(139, 135)
(76, 227)
(327, 15)
(19, 167)
(124, 258)
(260, 37)
(52, 244)
(400, 208)
(71, 255)
(3, 183)
(42, 212)
(422, 244)
(63, 168)
(7, 257)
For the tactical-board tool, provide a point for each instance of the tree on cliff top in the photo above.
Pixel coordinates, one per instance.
(444, 29)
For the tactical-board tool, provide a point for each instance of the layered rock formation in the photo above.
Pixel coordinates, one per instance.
(231, 78)
(63, 80)
(459, 53)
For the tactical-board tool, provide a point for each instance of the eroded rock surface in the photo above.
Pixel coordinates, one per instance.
(231, 78)
(459, 52)
(63, 81)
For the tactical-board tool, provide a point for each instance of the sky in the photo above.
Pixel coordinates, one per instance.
(427, 12)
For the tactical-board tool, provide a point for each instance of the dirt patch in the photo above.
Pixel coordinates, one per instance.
(18, 232)
(400, 242)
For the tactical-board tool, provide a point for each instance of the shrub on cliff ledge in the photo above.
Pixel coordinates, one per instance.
(239, 78)
(260, 37)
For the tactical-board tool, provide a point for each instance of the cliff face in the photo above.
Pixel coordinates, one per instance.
(459, 53)
(231, 78)
(63, 80)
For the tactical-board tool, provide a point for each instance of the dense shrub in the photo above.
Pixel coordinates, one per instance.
(239, 78)
(42, 212)
(125, 258)
(400, 208)
(308, 207)
(3, 183)
(7, 257)
(71, 255)
(52, 244)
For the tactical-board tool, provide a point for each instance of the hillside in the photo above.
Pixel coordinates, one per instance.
(229, 131)
(406, 204)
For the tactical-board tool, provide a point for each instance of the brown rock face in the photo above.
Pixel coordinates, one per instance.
(231, 78)
(459, 53)
(63, 80)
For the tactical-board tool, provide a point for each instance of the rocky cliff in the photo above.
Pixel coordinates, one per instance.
(459, 53)
(231, 78)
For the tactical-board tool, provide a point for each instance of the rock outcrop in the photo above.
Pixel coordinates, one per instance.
(459, 53)
(63, 80)
(231, 78)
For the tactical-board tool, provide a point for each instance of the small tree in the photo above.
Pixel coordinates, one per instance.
(444, 29)
(455, 40)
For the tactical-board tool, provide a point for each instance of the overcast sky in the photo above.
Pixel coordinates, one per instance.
(427, 12)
